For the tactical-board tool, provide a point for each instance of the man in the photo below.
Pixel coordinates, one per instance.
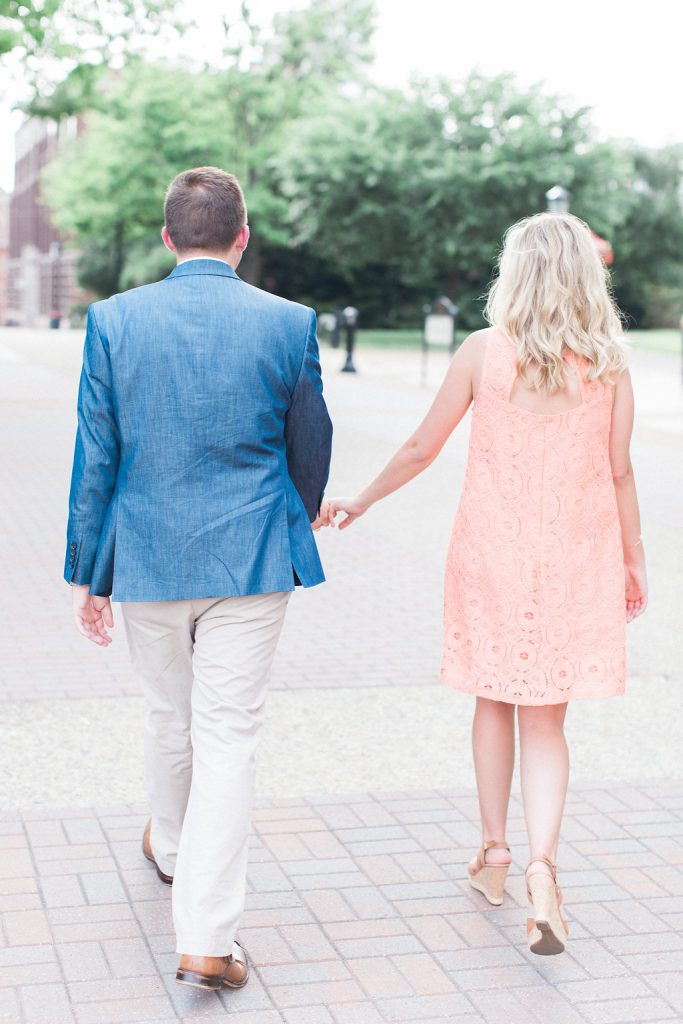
(202, 453)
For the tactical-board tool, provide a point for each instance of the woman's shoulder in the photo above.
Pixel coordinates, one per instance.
(478, 341)
(477, 344)
(472, 354)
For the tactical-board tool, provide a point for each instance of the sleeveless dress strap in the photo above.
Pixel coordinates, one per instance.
(591, 391)
(500, 366)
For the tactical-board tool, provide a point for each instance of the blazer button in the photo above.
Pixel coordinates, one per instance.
(71, 563)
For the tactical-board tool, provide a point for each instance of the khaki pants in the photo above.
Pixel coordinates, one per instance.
(205, 666)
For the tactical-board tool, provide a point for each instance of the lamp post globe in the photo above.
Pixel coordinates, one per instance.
(557, 199)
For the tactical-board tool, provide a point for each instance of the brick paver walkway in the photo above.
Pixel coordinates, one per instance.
(357, 914)
(358, 911)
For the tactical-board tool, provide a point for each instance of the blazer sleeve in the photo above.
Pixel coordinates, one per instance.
(308, 429)
(96, 458)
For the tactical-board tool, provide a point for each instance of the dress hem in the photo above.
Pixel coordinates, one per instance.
(458, 683)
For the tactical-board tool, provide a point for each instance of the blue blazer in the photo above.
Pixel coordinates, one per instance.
(203, 443)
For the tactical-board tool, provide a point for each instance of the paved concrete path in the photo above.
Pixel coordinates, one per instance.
(358, 912)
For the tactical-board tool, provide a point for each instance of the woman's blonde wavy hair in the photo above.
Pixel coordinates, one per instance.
(553, 294)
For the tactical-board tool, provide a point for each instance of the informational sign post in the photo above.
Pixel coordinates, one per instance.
(440, 329)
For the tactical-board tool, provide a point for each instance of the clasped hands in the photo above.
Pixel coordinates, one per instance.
(94, 616)
(330, 509)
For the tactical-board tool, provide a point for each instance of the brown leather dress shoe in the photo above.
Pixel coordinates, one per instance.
(212, 972)
(147, 850)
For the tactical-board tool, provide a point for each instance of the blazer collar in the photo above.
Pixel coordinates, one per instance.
(203, 266)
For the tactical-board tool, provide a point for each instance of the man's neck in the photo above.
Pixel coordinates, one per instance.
(231, 258)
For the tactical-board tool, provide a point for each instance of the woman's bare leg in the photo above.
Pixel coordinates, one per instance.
(544, 769)
(493, 746)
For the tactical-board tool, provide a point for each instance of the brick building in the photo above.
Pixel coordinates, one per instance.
(41, 274)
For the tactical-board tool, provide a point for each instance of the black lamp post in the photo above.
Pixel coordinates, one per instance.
(350, 320)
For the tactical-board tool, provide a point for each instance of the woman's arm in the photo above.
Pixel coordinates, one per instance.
(422, 447)
(627, 498)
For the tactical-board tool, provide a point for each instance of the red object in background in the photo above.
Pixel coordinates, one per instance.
(604, 248)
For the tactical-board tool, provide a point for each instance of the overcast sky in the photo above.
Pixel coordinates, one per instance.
(621, 57)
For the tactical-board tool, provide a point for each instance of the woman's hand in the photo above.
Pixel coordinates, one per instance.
(422, 447)
(353, 507)
(636, 589)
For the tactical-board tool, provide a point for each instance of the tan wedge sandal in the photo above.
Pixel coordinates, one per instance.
(489, 879)
(547, 929)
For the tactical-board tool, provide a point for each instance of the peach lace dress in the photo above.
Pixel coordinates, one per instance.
(534, 609)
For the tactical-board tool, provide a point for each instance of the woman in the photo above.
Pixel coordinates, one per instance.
(546, 562)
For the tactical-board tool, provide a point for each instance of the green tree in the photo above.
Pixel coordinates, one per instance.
(58, 40)
(106, 188)
(150, 122)
(25, 24)
(408, 196)
(380, 198)
(274, 78)
(648, 242)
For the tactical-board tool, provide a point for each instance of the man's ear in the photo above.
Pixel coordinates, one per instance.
(242, 240)
(167, 239)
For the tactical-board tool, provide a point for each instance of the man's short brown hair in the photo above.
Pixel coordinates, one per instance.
(204, 209)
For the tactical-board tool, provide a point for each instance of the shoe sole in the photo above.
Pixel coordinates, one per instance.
(206, 982)
(493, 900)
(490, 881)
(166, 879)
(543, 941)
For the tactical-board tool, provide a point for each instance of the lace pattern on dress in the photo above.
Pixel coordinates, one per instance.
(534, 609)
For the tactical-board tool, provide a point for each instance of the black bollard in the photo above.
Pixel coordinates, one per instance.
(350, 315)
(348, 366)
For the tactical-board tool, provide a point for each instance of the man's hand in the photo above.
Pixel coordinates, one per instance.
(92, 615)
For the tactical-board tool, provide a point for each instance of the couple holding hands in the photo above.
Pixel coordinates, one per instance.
(202, 454)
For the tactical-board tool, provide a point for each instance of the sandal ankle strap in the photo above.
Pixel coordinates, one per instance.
(542, 860)
(491, 844)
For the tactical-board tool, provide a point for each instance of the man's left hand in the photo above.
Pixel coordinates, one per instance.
(92, 615)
